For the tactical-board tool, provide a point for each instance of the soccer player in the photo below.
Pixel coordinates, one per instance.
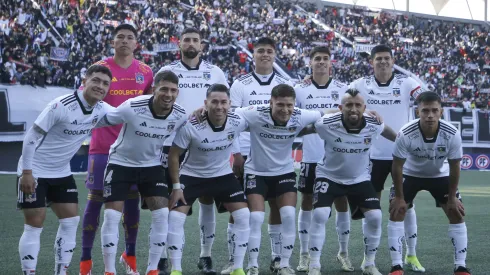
(206, 171)
(389, 94)
(195, 77)
(348, 136)
(321, 92)
(44, 168)
(135, 158)
(131, 78)
(419, 163)
(252, 89)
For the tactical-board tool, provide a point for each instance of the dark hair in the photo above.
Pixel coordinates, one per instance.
(218, 88)
(352, 92)
(265, 41)
(191, 30)
(166, 76)
(381, 49)
(126, 27)
(283, 90)
(319, 49)
(98, 69)
(427, 97)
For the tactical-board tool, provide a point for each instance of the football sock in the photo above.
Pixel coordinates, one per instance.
(342, 225)
(176, 221)
(410, 223)
(317, 234)
(304, 221)
(29, 245)
(371, 228)
(110, 238)
(207, 223)
(395, 242)
(240, 236)
(256, 221)
(158, 237)
(459, 238)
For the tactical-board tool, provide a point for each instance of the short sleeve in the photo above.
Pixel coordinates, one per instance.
(54, 113)
(309, 116)
(299, 96)
(321, 128)
(247, 113)
(222, 77)
(456, 148)
(236, 94)
(118, 115)
(183, 137)
(400, 150)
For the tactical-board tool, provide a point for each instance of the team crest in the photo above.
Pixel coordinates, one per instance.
(292, 129)
(396, 92)
(367, 140)
(441, 149)
(251, 181)
(140, 79)
(171, 126)
(31, 198)
(94, 121)
(335, 95)
(206, 75)
(231, 136)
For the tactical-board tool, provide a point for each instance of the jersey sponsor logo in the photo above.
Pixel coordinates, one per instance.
(321, 106)
(414, 135)
(194, 85)
(287, 181)
(71, 190)
(217, 148)
(333, 126)
(271, 136)
(258, 102)
(428, 157)
(371, 128)
(150, 135)
(482, 162)
(72, 107)
(247, 81)
(77, 132)
(350, 151)
(206, 75)
(466, 162)
(140, 79)
(141, 110)
(125, 92)
(236, 194)
(396, 92)
(384, 101)
(161, 184)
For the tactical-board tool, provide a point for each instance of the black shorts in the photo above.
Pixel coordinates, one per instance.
(359, 195)
(307, 177)
(270, 186)
(224, 189)
(437, 187)
(119, 179)
(380, 169)
(219, 205)
(54, 190)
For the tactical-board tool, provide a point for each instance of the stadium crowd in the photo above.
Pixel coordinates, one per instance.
(453, 59)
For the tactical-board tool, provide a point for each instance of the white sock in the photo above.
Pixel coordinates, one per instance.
(158, 237)
(342, 224)
(317, 234)
(240, 236)
(371, 228)
(459, 238)
(207, 223)
(65, 243)
(175, 240)
(410, 223)
(275, 238)
(304, 221)
(256, 221)
(288, 233)
(231, 245)
(110, 237)
(29, 245)
(395, 242)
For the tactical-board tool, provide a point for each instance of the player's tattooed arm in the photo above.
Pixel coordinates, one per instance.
(388, 133)
(309, 129)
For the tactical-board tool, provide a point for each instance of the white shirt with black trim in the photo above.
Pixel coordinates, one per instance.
(253, 89)
(143, 134)
(426, 158)
(392, 101)
(209, 147)
(346, 158)
(271, 144)
(68, 121)
(311, 96)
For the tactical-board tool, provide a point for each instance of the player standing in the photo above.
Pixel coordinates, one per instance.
(389, 94)
(252, 89)
(195, 77)
(130, 79)
(348, 137)
(207, 171)
(419, 163)
(44, 168)
(322, 92)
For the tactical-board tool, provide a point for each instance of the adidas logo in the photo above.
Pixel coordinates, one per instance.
(413, 236)
(371, 92)
(181, 76)
(254, 250)
(109, 245)
(28, 257)
(71, 250)
(266, 126)
(303, 231)
(114, 79)
(253, 93)
(74, 122)
(143, 124)
(205, 141)
(173, 247)
(289, 247)
(159, 244)
(243, 245)
(392, 249)
(314, 249)
(338, 140)
(417, 149)
(346, 232)
(462, 250)
(210, 236)
(309, 97)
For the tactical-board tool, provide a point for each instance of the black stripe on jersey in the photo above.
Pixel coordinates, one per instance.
(142, 104)
(69, 102)
(296, 112)
(447, 129)
(262, 109)
(400, 76)
(140, 101)
(233, 115)
(372, 120)
(410, 128)
(69, 99)
(331, 120)
(244, 77)
(179, 109)
(411, 131)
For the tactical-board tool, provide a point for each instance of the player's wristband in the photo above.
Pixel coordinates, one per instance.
(176, 186)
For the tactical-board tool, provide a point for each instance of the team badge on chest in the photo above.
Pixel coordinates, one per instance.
(206, 75)
(140, 79)
(396, 92)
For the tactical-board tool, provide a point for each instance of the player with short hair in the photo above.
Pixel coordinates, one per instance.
(195, 77)
(419, 163)
(135, 158)
(389, 94)
(44, 167)
(254, 89)
(319, 93)
(130, 78)
(348, 136)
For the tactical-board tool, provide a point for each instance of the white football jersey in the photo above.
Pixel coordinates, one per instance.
(143, 134)
(252, 89)
(209, 147)
(271, 145)
(427, 158)
(315, 97)
(346, 158)
(392, 101)
(67, 123)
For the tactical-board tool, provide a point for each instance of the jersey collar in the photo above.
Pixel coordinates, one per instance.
(189, 68)
(150, 105)
(435, 136)
(387, 83)
(214, 128)
(85, 109)
(357, 131)
(321, 87)
(268, 82)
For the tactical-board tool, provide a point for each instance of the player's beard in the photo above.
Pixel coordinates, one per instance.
(191, 54)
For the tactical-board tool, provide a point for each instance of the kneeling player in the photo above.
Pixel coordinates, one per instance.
(207, 172)
(48, 147)
(421, 149)
(347, 137)
(135, 159)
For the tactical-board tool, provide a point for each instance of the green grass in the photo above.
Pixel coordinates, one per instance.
(434, 248)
